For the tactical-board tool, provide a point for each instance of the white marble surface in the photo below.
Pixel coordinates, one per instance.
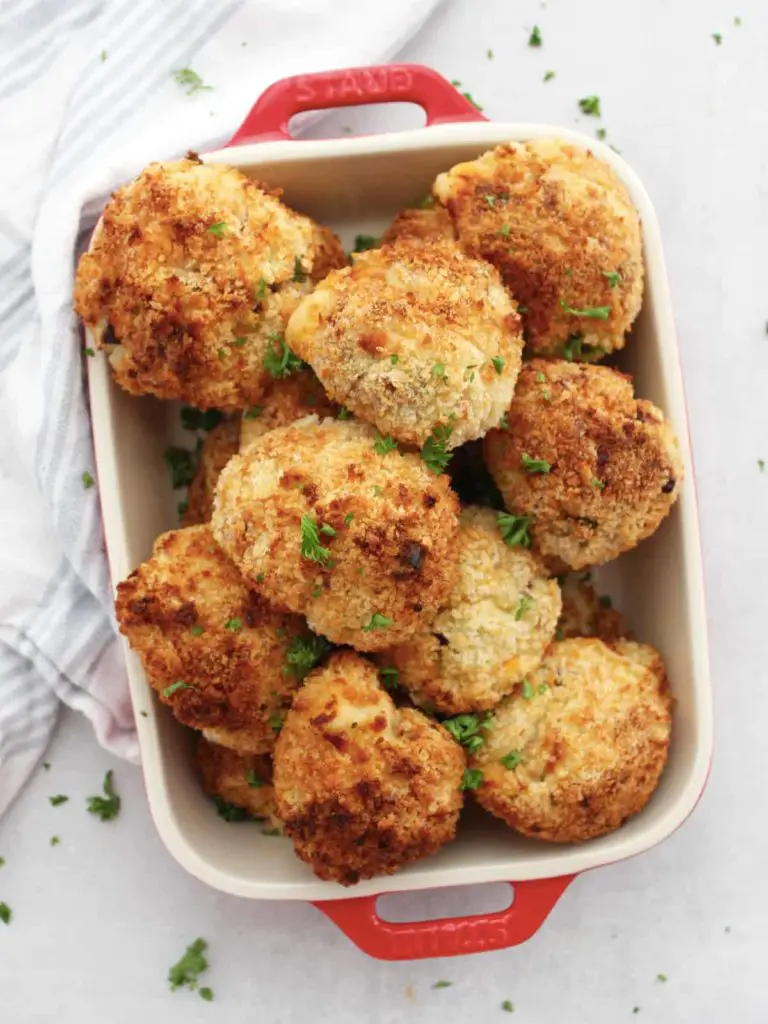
(99, 918)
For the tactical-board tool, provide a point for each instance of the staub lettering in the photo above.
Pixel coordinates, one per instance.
(344, 85)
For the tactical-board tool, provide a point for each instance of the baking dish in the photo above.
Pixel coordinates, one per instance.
(357, 185)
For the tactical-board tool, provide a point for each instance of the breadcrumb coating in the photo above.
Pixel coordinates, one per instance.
(219, 445)
(285, 401)
(243, 780)
(420, 225)
(363, 787)
(586, 614)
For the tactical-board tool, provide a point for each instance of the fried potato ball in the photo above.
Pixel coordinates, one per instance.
(586, 614)
(593, 468)
(212, 649)
(412, 338)
(193, 270)
(363, 787)
(420, 225)
(284, 402)
(220, 444)
(494, 629)
(564, 234)
(586, 750)
(240, 780)
(323, 522)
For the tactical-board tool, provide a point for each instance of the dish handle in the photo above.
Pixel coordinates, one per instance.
(351, 87)
(453, 936)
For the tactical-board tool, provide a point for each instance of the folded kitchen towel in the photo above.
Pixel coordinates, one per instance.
(87, 97)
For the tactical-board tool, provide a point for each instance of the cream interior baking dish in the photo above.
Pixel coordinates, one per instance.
(357, 185)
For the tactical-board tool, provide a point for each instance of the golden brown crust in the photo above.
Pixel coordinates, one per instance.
(615, 464)
(192, 269)
(420, 226)
(586, 750)
(362, 786)
(494, 628)
(190, 617)
(243, 780)
(407, 337)
(284, 402)
(220, 444)
(586, 614)
(557, 223)
(393, 549)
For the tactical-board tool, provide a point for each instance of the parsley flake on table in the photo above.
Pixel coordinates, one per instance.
(590, 105)
(311, 548)
(304, 652)
(523, 606)
(88, 480)
(548, 76)
(467, 96)
(89, 352)
(2, 862)
(58, 800)
(761, 465)
(206, 994)
(511, 760)
(190, 78)
(442, 984)
(498, 364)
(601, 134)
(5, 913)
(189, 967)
(279, 360)
(55, 840)
(384, 445)
(472, 779)
(106, 807)
(514, 530)
(535, 37)
(435, 452)
(377, 621)
(534, 465)
(103, 56)
(489, 54)
(174, 687)
(508, 1006)
(219, 228)
(590, 312)
(718, 38)
(661, 977)
(365, 242)
(47, 765)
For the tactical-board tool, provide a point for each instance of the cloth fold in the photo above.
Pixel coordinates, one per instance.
(87, 97)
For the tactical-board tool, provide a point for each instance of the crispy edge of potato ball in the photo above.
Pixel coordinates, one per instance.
(413, 339)
(292, 398)
(561, 228)
(492, 631)
(193, 271)
(585, 614)
(586, 751)
(363, 787)
(323, 522)
(423, 224)
(219, 445)
(595, 469)
(214, 651)
(242, 780)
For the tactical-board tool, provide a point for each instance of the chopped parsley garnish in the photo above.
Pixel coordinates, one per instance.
(489, 54)
(311, 547)
(239, 342)
(514, 530)
(261, 290)
(365, 242)
(188, 77)
(299, 273)
(613, 278)
(343, 413)
(223, 353)
(504, 422)
(253, 779)
(234, 625)
(190, 966)
(548, 76)
(590, 105)
(377, 621)
(442, 984)
(508, 1006)
(718, 38)
(5, 913)
(253, 412)
(348, 518)
(384, 445)
(229, 812)
(590, 312)
(466, 729)
(58, 800)
(605, 601)
(594, 482)
(277, 720)
(601, 134)
(535, 37)
(534, 465)
(182, 508)
(106, 807)
(103, 56)
(88, 480)
(542, 689)
(55, 840)
(260, 577)
(304, 652)
(467, 96)
(174, 687)
(144, 714)
(89, 352)
(328, 530)
(439, 371)
(527, 689)
(390, 678)
(504, 230)
(472, 779)
(279, 361)
(47, 765)
(206, 994)
(661, 977)
(434, 450)
(575, 349)
(498, 364)
(512, 760)
(197, 419)
(182, 463)
(219, 228)
(394, 359)
(523, 605)
(376, 491)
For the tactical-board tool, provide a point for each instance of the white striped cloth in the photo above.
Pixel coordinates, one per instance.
(86, 99)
